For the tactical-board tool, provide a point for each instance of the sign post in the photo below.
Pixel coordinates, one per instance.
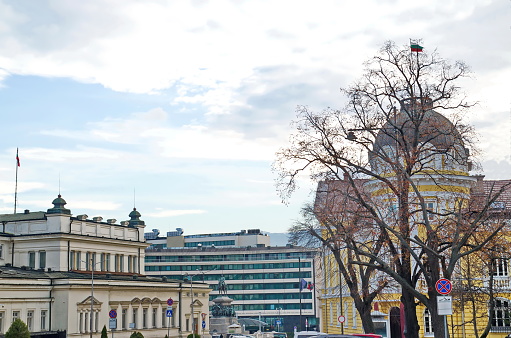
(112, 323)
(444, 303)
(170, 301)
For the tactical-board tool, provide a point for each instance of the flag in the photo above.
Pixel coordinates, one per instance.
(310, 286)
(416, 47)
(303, 284)
(17, 158)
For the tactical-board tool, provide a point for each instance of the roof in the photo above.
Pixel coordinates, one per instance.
(26, 216)
(432, 127)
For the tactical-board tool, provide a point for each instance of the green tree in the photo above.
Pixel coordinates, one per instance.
(137, 335)
(192, 335)
(18, 329)
(104, 334)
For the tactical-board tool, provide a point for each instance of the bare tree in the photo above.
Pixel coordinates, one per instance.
(331, 222)
(415, 163)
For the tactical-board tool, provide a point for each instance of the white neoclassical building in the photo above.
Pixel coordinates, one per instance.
(63, 275)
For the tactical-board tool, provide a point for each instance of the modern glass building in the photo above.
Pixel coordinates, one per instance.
(273, 284)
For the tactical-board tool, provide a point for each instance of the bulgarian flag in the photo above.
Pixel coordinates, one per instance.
(416, 47)
(17, 158)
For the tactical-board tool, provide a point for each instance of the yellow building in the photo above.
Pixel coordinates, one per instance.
(439, 186)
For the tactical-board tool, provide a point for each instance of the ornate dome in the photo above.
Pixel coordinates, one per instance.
(419, 125)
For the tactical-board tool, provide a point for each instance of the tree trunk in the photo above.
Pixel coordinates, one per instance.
(365, 316)
(411, 323)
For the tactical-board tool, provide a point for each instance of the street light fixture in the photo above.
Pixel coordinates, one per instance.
(191, 293)
(91, 316)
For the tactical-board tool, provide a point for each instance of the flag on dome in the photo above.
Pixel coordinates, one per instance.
(17, 158)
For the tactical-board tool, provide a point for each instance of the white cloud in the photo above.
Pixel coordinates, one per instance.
(174, 213)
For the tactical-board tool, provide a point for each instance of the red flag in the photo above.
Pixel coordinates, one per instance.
(17, 158)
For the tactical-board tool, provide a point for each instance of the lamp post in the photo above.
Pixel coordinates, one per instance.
(191, 292)
(91, 316)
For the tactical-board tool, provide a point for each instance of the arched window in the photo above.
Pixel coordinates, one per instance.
(428, 325)
(501, 313)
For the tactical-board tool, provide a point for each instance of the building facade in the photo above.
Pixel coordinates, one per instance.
(271, 284)
(60, 273)
(440, 186)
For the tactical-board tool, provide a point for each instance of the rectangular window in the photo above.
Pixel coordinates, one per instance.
(30, 320)
(31, 259)
(173, 318)
(72, 262)
(43, 319)
(107, 262)
(78, 260)
(144, 318)
(87, 322)
(124, 321)
(81, 322)
(129, 264)
(42, 259)
(154, 317)
(121, 263)
(1, 253)
(135, 313)
(102, 262)
(2, 322)
(164, 319)
(15, 315)
(354, 315)
(87, 261)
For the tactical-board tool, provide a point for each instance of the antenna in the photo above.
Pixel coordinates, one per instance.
(59, 182)
(134, 200)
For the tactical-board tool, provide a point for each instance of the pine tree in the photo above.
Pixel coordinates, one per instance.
(104, 334)
(18, 329)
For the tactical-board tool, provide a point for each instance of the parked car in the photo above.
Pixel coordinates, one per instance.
(371, 335)
(309, 334)
(279, 335)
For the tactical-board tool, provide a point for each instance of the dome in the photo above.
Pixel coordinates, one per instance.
(424, 126)
(58, 206)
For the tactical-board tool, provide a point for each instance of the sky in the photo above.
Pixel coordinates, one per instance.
(178, 107)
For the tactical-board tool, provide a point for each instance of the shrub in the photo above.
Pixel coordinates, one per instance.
(104, 334)
(137, 335)
(18, 329)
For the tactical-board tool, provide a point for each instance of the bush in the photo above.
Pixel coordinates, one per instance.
(137, 335)
(191, 335)
(104, 334)
(18, 329)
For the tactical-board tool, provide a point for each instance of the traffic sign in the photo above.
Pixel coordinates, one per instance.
(444, 305)
(203, 324)
(112, 314)
(341, 319)
(168, 313)
(112, 323)
(443, 286)
(278, 322)
(170, 301)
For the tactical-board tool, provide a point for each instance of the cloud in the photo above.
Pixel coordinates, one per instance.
(174, 213)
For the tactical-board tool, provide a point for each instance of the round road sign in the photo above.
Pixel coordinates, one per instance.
(341, 319)
(443, 286)
(112, 314)
(170, 301)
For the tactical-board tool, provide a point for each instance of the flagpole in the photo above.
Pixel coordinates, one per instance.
(16, 185)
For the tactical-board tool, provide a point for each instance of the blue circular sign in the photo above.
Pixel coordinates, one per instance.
(112, 314)
(443, 286)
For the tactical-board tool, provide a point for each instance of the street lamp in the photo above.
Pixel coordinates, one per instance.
(91, 316)
(191, 293)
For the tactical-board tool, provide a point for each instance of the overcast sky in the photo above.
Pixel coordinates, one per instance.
(178, 107)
